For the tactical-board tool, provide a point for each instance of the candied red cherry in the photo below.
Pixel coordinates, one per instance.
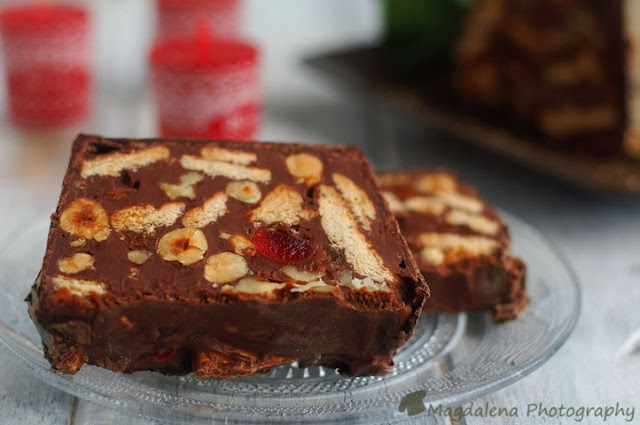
(282, 247)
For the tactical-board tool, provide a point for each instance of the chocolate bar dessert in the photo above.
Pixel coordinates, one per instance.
(459, 242)
(224, 259)
(564, 69)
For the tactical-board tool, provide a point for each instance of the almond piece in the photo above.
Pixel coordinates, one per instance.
(225, 267)
(244, 191)
(252, 285)
(139, 256)
(186, 246)
(86, 219)
(184, 189)
(300, 275)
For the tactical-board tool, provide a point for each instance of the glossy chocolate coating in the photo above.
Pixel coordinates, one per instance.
(166, 316)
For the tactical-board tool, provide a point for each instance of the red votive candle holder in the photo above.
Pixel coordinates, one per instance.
(206, 87)
(47, 55)
(177, 18)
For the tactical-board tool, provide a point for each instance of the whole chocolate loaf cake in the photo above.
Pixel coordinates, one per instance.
(459, 242)
(566, 69)
(223, 258)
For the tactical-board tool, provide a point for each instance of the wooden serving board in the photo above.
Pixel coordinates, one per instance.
(365, 71)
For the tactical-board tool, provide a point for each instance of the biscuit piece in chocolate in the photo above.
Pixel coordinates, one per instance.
(459, 242)
(223, 258)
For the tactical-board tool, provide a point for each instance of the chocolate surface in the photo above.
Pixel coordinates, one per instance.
(223, 258)
(460, 244)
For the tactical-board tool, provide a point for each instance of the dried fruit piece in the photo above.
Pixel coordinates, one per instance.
(76, 263)
(282, 247)
(225, 267)
(139, 256)
(186, 246)
(244, 191)
(307, 168)
(86, 219)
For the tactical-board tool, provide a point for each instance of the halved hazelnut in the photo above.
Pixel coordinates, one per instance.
(139, 256)
(307, 168)
(225, 267)
(86, 219)
(244, 191)
(242, 245)
(76, 263)
(186, 246)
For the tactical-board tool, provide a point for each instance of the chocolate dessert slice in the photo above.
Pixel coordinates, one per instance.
(459, 242)
(223, 258)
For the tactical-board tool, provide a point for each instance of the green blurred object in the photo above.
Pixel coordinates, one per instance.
(422, 32)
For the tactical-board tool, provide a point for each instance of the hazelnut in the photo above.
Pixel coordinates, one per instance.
(186, 246)
(139, 256)
(244, 191)
(306, 168)
(86, 219)
(225, 267)
(76, 263)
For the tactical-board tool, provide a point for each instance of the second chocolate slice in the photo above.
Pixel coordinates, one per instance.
(460, 244)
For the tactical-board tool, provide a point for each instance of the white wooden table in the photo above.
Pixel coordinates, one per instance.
(600, 235)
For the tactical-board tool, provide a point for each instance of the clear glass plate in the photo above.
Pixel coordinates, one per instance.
(451, 359)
